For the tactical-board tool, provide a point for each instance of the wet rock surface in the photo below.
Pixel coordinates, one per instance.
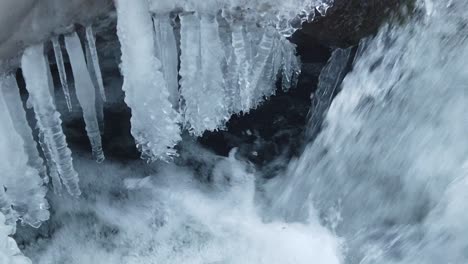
(348, 21)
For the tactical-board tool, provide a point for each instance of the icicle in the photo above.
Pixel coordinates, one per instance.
(99, 101)
(253, 92)
(24, 187)
(330, 78)
(154, 121)
(50, 80)
(291, 66)
(33, 65)
(243, 65)
(166, 52)
(202, 77)
(211, 64)
(61, 70)
(51, 165)
(91, 40)
(85, 93)
(11, 93)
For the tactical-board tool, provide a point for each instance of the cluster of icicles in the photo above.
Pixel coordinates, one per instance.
(228, 63)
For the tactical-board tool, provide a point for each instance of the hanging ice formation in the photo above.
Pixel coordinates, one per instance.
(166, 52)
(85, 93)
(94, 77)
(329, 81)
(34, 66)
(23, 190)
(154, 121)
(91, 41)
(61, 70)
(202, 86)
(10, 91)
(229, 59)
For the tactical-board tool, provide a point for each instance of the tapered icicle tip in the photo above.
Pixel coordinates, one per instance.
(61, 70)
(95, 61)
(85, 93)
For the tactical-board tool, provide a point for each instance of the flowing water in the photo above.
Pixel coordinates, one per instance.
(388, 171)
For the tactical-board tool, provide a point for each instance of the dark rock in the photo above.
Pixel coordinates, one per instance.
(348, 21)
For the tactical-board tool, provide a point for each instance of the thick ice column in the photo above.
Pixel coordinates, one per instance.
(330, 79)
(85, 93)
(154, 121)
(91, 40)
(166, 52)
(24, 187)
(61, 70)
(9, 89)
(33, 64)
(202, 84)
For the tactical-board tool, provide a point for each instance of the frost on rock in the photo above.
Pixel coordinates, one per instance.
(9, 252)
(85, 93)
(23, 186)
(154, 121)
(61, 69)
(35, 73)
